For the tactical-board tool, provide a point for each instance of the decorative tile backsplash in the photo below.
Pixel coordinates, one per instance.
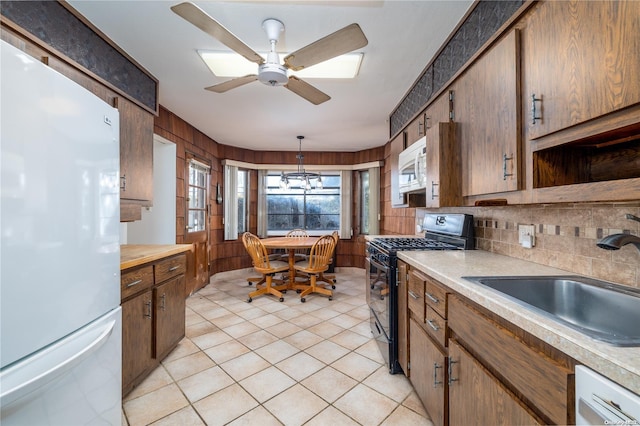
(566, 236)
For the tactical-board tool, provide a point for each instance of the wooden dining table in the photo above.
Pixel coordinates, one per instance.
(291, 244)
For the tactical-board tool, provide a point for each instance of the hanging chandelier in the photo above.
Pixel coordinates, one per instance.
(301, 174)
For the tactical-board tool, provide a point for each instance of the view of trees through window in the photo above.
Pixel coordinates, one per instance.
(313, 210)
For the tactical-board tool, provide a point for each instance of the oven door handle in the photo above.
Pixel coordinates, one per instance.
(379, 265)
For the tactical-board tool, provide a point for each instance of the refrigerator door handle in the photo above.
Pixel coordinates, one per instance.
(19, 380)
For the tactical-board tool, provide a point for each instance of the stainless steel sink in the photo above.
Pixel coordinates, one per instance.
(601, 310)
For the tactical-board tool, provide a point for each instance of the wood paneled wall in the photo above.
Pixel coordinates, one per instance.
(230, 255)
(399, 220)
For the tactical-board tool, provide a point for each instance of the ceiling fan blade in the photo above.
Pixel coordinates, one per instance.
(307, 91)
(232, 84)
(342, 41)
(206, 23)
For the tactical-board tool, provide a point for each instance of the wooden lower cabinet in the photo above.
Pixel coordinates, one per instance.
(403, 319)
(477, 397)
(428, 373)
(169, 305)
(137, 337)
(153, 316)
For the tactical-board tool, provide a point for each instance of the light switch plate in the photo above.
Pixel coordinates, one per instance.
(527, 235)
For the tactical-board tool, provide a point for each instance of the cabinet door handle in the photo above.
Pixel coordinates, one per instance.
(136, 282)
(450, 370)
(534, 113)
(433, 191)
(420, 131)
(148, 314)
(412, 294)
(163, 301)
(433, 325)
(174, 268)
(123, 182)
(435, 375)
(504, 166)
(432, 298)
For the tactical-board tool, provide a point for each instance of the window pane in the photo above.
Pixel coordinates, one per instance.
(197, 198)
(364, 202)
(313, 210)
(243, 219)
(196, 220)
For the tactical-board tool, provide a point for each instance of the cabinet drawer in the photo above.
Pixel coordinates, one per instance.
(546, 384)
(436, 326)
(415, 297)
(171, 267)
(435, 295)
(133, 281)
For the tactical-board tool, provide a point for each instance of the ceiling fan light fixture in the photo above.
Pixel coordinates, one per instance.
(273, 74)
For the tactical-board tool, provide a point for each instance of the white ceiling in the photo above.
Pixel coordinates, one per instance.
(403, 37)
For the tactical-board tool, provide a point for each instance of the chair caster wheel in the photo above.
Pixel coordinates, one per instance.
(372, 287)
(249, 283)
(330, 298)
(303, 300)
(333, 287)
(284, 291)
(282, 299)
(381, 297)
(249, 300)
(298, 291)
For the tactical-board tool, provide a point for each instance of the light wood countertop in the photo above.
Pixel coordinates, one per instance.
(137, 254)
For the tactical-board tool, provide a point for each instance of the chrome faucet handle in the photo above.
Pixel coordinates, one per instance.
(632, 217)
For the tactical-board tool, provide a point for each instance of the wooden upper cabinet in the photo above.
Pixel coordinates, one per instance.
(416, 129)
(443, 166)
(581, 59)
(136, 153)
(486, 107)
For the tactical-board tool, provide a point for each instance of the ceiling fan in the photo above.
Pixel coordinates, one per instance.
(271, 72)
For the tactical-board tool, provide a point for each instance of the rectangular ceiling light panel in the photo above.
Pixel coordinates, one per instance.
(230, 64)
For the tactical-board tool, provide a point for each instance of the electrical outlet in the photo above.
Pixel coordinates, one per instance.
(527, 235)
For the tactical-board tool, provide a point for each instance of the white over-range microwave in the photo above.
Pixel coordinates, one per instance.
(412, 167)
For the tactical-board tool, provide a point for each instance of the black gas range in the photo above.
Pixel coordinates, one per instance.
(442, 232)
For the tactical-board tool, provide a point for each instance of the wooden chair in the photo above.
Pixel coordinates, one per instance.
(331, 278)
(262, 264)
(300, 255)
(317, 263)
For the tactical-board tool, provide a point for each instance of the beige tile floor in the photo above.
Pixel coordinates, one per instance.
(272, 363)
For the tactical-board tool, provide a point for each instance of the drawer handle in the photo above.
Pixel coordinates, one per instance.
(433, 325)
(174, 268)
(136, 282)
(435, 375)
(412, 294)
(451, 379)
(432, 298)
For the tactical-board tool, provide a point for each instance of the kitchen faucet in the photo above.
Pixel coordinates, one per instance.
(615, 241)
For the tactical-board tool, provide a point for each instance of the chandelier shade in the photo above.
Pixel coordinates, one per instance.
(300, 174)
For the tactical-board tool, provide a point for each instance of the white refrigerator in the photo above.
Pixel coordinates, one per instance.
(60, 320)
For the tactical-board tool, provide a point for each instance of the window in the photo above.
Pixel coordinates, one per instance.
(197, 196)
(236, 201)
(316, 210)
(364, 202)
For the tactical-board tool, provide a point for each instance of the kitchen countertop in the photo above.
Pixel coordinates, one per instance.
(137, 254)
(621, 365)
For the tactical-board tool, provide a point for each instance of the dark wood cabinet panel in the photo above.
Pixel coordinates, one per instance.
(487, 105)
(428, 373)
(136, 152)
(581, 60)
(169, 313)
(137, 338)
(476, 397)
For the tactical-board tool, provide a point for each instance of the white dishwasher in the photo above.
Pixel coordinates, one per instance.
(599, 401)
